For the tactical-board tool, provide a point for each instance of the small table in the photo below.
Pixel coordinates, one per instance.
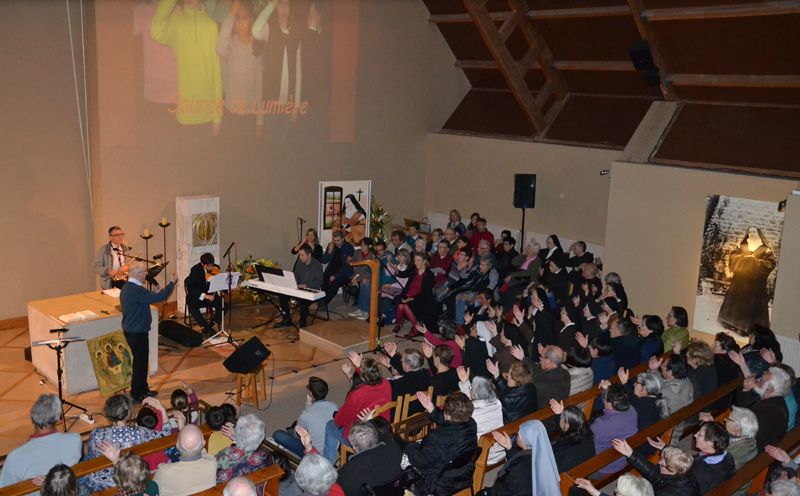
(79, 376)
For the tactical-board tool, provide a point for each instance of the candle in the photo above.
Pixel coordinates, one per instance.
(163, 221)
(146, 233)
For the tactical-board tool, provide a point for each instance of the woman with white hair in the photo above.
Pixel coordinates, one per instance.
(627, 485)
(244, 456)
(315, 476)
(742, 426)
(488, 411)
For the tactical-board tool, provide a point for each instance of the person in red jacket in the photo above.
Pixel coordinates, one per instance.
(481, 233)
(369, 391)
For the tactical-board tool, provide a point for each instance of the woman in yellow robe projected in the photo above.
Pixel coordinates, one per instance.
(746, 303)
(192, 34)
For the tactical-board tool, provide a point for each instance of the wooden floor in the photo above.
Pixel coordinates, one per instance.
(20, 384)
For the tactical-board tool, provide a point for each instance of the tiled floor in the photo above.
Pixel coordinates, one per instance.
(20, 385)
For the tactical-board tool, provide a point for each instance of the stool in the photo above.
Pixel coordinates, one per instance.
(251, 386)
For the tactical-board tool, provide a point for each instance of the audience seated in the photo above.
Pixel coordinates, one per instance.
(713, 464)
(671, 477)
(217, 441)
(651, 330)
(338, 272)
(677, 322)
(374, 462)
(764, 396)
(195, 471)
(516, 390)
(315, 476)
(784, 487)
(244, 456)
(410, 376)
(416, 302)
(523, 271)
(46, 447)
(131, 474)
(579, 367)
(487, 409)
(619, 420)
(240, 486)
(118, 410)
(676, 387)
(445, 376)
(627, 485)
(456, 435)
(625, 343)
(314, 417)
(531, 467)
(60, 481)
(574, 442)
(552, 381)
(700, 358)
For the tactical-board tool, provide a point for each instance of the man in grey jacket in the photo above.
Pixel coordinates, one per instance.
(308, 274)
(109, 262)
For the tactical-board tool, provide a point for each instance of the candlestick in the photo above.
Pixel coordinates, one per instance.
(163, 221)
(146, 233)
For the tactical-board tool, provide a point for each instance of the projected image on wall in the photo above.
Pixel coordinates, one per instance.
(259, 66)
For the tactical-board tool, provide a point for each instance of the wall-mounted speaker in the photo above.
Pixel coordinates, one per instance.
(524, 190)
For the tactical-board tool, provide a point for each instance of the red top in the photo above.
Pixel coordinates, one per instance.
(415, 287)
(478, 236)
(364, 396)
(437, 340)
(443, 263)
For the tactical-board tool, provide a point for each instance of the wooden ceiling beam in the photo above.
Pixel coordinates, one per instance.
(462, 18)
(611, 11)
(505, 63)
(723, 11)
(736, 80)
(636, 8)
(561, 65)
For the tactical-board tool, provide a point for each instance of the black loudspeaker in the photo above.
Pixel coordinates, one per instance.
(181, 334)
(524, 190)
(247, 357)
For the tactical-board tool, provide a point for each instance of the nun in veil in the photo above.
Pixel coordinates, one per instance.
(354, 220)
(531, 467)
(746, 303)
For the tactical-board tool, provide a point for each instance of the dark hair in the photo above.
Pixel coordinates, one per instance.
(677, 365)
(179, 400)
(458, 407)
(481, 219)
(681, 316)
(380, 243)
(215, 418)
(618, 398)
(555, 239)
(612, 303)
(716, 435)
(577, 426)
(60, 481)
(503, 234)
(306, 249)
(579, 357)
(474, 214)
(581, 244)
(206, 258)
(147, 418)
(447, 328)
(118, 407)
(602, 346)
(765, 338)
(777, 471)
(370, 372)
(398, 233)
(654, 323)
(113, 228)
(510, 240)
(367, 241)
(318, 388)
(444, 354)
(230, 412)
(415, 225)
(626, 327)
(383, 427)
(463, 239)
(726, 342)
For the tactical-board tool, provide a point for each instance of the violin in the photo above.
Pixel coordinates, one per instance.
(211, 273)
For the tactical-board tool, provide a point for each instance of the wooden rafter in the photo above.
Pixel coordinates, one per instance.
(611, 11)
(736, 80)
(647, 35)
(723, 11)
(508, 66)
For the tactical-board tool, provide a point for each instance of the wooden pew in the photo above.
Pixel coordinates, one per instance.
(756, 469)
(84, 468)
(663, 427)
(268, 477)
(587, 397)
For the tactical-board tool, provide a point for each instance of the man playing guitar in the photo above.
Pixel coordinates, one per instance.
(110, 263)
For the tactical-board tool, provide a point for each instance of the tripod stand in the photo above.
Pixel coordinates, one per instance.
(58, 345)
(227, 307)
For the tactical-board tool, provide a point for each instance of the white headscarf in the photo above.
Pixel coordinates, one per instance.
(544, 471)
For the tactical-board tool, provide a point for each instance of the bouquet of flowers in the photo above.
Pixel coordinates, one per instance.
(378, 219)
(247, 270)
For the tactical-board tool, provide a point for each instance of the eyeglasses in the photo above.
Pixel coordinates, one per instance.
(117, 234)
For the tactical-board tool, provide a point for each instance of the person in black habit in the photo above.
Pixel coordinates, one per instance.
(135, 301)
(196, 296)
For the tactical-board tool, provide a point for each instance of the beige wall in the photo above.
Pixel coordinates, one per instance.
(477, 174)
(44, 219)
(406, 87)
(655, 227)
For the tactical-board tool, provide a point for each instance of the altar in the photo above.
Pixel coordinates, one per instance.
(44, 315)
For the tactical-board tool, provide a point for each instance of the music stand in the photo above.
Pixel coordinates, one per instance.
(58, 345)
(225, 281)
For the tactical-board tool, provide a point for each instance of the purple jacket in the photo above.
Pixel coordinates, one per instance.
(611, 425)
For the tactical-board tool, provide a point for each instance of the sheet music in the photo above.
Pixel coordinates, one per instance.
(219, 282)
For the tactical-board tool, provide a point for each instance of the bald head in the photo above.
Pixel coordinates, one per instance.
(137, 271)
(190, 440)
(239, 486)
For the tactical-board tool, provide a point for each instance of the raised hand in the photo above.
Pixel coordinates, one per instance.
(656, 443)
(777, 453)
(461, 341)
(425, 401)
(491, 326)
(348, 369)
(305, 438)
(768, 356)
(229, 430)
(518, 315)
(622, 447)
(557, 406)
(637, 321)
(623, 375)
(587, 486)
(381, 359)
(427, 349)
(180, 419)
(736, 357)
(502, 439)
(492, 368)
(582, 339)
(366, 414)
(604, 384)
(463, 374)
(355, 358)
(504, 340)
(390, 348)
(517, 352)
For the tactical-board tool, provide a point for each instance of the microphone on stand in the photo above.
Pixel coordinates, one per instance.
(302, 220)
(229, 249)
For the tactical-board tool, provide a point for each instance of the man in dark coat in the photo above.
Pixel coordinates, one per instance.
(457, 435)
(375, 463)
(412, 376)
(196, 296)
(764, 396)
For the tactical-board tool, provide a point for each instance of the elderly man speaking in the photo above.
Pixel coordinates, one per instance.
(135, 300)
